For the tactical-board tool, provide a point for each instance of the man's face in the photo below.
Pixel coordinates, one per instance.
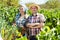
(34, 9)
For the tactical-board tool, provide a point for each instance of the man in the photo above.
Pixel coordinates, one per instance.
(34, 22)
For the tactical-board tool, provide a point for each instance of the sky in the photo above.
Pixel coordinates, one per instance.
(39, 2)
(33, 1)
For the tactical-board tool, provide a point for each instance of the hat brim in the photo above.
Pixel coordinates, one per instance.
(38, 7)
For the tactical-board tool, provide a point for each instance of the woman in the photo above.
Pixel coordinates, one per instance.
(20, 20)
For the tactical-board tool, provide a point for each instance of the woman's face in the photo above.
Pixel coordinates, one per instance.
(33, 9)
(21, 10)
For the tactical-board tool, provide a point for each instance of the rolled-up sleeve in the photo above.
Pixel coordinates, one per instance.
(42, 18)
(17, 19)
(26, 22)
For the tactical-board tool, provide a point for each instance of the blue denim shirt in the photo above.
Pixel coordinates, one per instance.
(18, 22)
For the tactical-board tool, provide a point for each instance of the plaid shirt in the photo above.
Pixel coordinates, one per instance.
(35, 19)
(20, 21)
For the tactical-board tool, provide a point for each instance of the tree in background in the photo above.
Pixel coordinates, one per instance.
(51, 4)
(9, 2)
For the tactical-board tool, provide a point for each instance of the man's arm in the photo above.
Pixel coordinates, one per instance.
(34, 25)
(30, 25)
(42, 20)
(41, 23)
(37, 25)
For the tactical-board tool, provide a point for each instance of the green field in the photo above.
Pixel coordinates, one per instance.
(51, 30)
(9, 10)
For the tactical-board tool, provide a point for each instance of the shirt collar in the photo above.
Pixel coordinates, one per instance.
(35, 15)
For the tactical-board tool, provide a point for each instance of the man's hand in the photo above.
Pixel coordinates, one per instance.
(30, 24)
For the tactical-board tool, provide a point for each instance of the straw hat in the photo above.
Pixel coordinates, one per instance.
(37, 6)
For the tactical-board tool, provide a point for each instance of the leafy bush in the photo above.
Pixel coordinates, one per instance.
(51, 30)
(9, 13)
(50, 35)
(51, 15)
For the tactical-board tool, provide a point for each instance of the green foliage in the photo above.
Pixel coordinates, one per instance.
(51, 30)
(51, 35)
(10, 32)
(9, 13)
(51, 4)
(9, 3)
(6, 30)
(22, 38)
(51, 15)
